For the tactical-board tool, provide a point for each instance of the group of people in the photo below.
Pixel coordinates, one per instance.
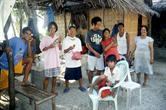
(104, 51)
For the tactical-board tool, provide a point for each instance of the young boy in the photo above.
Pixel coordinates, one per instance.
(111, 75)
(93, 43)
(72, 44)
(123, 41)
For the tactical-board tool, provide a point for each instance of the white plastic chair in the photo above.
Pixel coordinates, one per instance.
(96, 96)
(130, 85)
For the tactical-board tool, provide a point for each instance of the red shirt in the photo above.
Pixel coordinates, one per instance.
(112, 50)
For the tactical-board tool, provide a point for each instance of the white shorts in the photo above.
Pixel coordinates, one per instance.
(95, 63)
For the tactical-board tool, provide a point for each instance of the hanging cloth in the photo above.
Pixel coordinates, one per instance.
(50, 14)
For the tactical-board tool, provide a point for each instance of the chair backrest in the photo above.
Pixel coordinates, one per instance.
(94, 78)
(123, 71)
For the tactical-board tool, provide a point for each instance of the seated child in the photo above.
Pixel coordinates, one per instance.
(110, 76)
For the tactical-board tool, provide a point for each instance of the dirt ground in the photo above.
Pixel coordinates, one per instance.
(153, 95)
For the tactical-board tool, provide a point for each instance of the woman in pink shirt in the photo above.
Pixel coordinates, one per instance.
(50, 46)
(109, 44)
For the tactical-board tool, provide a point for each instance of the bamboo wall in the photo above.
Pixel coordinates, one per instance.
(109, 18)
(131, 26)
(60, 20)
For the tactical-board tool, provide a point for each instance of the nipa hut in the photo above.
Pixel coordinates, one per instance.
(132, 13)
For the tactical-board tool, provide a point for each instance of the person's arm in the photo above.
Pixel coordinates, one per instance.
(49, 47)
(113, 43)
(30, 54)
(68, 49)
(92, 50)
(128, 44)
(60, 42)
(134, 48)
(87, 41)
(151, 52)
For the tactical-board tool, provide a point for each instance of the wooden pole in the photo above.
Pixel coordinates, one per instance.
(10, 68)
(21, 18)
(65, 23)
(150, 25)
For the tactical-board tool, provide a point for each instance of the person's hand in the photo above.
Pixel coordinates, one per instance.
(29, 39)
(71, 47)
(97, 55)
(60, 39)
(51, 46)
(8, 50)
(60, 46)
(109, 84)
(127, 55)
(151, 61)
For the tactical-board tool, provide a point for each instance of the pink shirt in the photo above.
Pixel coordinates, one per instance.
(51, 56)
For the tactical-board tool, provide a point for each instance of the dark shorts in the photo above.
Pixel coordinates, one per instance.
(73, 73)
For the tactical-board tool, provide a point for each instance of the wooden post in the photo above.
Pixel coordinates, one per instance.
(11, 81)
(139, 24)
(149, 3)
(53, 104)
(10, 68)
(88, 19)
(21, 18)
(65, 23)
(150, 25)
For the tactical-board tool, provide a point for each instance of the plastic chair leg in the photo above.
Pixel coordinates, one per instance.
(116, 105)
(128, 99)
(95, 104)
(140, 96)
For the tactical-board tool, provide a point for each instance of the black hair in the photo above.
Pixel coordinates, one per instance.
(95, 20)
(25, 29)
(106, 29)
(52, 23)
(146, 27)
(120, 24)
(72, 26)
(111, 58)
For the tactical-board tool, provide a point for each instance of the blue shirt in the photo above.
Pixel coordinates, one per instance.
(18, 47)
(94, 39)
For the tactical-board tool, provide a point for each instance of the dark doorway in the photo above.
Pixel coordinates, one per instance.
(159, 30)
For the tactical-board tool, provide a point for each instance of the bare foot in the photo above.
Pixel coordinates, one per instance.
(144, 84)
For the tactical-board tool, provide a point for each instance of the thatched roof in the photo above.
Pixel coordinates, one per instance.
(160, 6)
(136, 6)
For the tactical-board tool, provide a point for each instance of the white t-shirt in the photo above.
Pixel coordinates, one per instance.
(67, 42)
(114, 76)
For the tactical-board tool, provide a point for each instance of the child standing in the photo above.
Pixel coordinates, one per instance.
(72, 44)
(50, 47)
(109, 44)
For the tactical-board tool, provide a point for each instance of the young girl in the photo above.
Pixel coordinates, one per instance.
(50, 48)
(109, 44)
